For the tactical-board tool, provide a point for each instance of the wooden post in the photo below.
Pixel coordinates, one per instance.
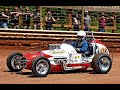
(20, 21)
(82, 27)
(114, 22)
(31, 22)
(69, 19)
(40, 11)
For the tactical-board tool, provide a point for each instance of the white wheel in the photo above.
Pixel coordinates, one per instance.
(41, 67)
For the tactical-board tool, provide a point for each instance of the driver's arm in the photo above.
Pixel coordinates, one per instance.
(84, 47)
(73, 44)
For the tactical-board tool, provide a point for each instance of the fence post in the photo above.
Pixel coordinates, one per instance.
(40, 11)
(20, 21)
(31, 22)
(69, 19)
(114, 22)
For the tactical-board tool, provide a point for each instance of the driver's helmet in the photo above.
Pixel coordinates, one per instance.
(81, 33)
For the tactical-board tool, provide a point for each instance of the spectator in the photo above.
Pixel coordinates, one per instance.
(49, 19)
(36, 18)
(76, 23)
(3, 18)
(7, 12)
(102, 22)
(87, 21)
(27, 15)
(15, 17)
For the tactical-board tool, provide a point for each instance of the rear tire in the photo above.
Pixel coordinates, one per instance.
(40, 67)
(13, 62)
(101, 63)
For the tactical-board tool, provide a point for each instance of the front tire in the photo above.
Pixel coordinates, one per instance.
(40, 67)
(13, 61)
(101, 63)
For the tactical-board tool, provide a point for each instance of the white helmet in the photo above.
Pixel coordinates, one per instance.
(81, 33)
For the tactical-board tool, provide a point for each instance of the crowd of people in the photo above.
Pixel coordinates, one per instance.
(87, 22)
(49, 19)
(12, 17)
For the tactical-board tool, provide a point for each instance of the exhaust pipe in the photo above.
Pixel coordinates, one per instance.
(70, 68)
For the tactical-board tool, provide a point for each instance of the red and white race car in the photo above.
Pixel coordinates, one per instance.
(62, 57)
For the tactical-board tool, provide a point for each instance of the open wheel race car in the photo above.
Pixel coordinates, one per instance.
(62, 57)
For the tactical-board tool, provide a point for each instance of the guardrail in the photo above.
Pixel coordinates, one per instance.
(31, 39)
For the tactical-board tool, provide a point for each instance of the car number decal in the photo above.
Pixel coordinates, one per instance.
(77, 57)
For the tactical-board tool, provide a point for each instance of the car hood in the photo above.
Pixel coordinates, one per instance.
(32, 55)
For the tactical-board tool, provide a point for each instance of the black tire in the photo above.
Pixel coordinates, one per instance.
(34, 64)
(97, 61)
(9, 61)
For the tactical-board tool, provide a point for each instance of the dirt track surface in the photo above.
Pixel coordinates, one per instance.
(6, 77)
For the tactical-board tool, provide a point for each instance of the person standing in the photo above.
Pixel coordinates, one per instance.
(7, 13)
(27, 17)
(76, 23)
(87, 21)
(49, 19)
(36, 18)
(15, 17)
(102, 22)
(3, 18)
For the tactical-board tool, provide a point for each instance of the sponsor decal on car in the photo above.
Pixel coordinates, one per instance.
(57, 52)
(103, 50)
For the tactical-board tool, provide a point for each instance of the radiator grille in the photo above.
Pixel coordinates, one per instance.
(54, 46)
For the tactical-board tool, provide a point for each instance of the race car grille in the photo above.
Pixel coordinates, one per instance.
(23, 61)
(54, 46)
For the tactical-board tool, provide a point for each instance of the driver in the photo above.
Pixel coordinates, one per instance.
(81, 45)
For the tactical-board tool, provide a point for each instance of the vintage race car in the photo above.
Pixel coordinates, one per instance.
(62, 57)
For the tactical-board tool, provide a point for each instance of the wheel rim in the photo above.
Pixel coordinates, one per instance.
(15, 62)
(42, 67)
(104, 63)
